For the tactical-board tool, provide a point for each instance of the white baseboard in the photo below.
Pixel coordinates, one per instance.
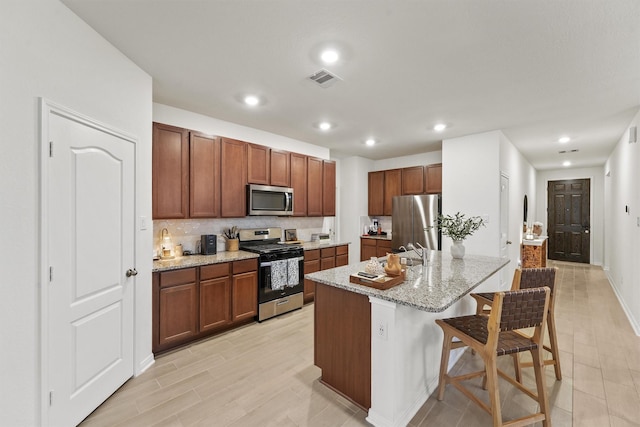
(625, 308)
(145, 364)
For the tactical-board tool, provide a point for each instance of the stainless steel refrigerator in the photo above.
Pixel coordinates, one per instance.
(411, 215)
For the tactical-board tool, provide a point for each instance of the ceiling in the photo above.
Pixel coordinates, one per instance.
(537, 70)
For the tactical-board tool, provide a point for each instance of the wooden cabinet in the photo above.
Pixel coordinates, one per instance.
(392, 188)
(342, 255)
(299, 183)
(376, 193)
(170, 172)
(314, 186)
(258, 164)
(215, 295)
(433, 178)
(244, 293)
(311, 265)
(233, 178)
(327, 258)
(177, 307)
(373, 248)
(280, 168)
(413, 180)
(328, 188)
(204, 176)
(534, 256)
(192, 303)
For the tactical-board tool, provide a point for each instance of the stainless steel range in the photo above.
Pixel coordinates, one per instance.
(281, 272)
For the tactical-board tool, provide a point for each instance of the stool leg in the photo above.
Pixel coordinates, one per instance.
(491, 372)
(543, 399)
(516, 367)
(444, 363)
(553, 343)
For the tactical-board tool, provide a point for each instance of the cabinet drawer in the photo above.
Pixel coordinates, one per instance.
(245, 266)
(327, 252)
(177, 277)
(367, 242)
(214, 271)
(342, 250)
(312, 254)
(384, 244)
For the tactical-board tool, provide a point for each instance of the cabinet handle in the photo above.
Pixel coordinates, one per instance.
(132, 272)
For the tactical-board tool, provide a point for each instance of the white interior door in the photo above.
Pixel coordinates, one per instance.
(90, 247)
(504, 227)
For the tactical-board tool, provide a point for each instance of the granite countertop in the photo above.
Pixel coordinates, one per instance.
(375, 236)
(434, 288)
(197, 260)
(307, 246)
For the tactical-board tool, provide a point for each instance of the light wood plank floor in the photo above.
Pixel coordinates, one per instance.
(263, 375)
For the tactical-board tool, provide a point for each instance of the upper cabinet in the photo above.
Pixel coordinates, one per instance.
(299, 183)
(328, 188)
(170, 176)
(385, 185)
(204, 176)
(280, 168)
(233, 178)
(259, 163)
(314, 187)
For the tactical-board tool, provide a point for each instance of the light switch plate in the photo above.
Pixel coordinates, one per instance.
(143, 223)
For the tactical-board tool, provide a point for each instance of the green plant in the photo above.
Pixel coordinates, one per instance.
(231, 233)
(458, 227)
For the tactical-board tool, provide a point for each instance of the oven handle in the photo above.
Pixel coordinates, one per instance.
(268, 263)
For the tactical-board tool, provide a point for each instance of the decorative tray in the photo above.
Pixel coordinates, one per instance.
(381, 282)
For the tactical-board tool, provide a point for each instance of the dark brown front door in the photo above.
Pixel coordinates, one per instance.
(569, 220)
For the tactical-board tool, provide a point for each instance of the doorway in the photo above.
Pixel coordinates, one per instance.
(88, 273)
(569, 219)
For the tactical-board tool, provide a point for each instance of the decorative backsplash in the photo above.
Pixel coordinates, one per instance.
(188, 231)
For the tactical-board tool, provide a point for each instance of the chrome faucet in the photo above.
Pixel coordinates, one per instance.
(422, 254)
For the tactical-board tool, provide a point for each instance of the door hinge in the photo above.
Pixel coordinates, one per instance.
(50, 274)
(50, 148)
(50, 397)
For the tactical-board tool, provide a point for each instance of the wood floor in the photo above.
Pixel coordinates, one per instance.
(263, 375)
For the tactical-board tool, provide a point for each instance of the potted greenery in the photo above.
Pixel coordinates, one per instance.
(232, 236)
(459, 228)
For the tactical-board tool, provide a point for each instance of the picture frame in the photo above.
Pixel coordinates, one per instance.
(290, 235)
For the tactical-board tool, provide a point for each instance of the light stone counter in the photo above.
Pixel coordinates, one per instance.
(197, 260)
(376, 237)
(308, 246)
(433, 289)
(538, 241)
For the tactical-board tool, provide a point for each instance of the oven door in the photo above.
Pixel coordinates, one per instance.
(280, 275)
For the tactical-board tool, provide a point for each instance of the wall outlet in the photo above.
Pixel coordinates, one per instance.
(382, 330)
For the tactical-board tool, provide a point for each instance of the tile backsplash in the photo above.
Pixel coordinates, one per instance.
(188, 231)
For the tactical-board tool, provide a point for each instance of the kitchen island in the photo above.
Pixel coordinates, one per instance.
(381, 348)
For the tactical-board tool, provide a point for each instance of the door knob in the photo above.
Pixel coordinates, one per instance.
(508, 242)
(132, 272)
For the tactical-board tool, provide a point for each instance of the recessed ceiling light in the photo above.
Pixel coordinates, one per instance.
(325, 125)
(564, 140)
(251, 100)
(439, 127)
(370, 142)
(329, 56)
(566, 163)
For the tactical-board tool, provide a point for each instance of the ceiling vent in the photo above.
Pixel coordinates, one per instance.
(324, 78)
(568, 151)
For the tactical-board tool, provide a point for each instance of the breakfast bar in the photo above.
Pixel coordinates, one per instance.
(381, 348)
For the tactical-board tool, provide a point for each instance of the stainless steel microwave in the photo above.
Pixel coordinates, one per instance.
(269, 200)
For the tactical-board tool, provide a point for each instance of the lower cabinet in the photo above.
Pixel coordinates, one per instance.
(373, 248)
(192, 303)
(322, 259)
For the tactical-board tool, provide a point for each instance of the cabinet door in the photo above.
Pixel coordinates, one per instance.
(280, 165)
(413, 180)
(368, 249)
(178, 314)
(309, 286)
(342, 255)
(258, 164)
(233, 176)
(244, 296)
(376, 193)
(170, 172)
(328, 188)
(215, 303)
(392, 188)
(327, 263)
(299, 183)
(204, 176)
(384, 247)
(314, 187)
(433, 178)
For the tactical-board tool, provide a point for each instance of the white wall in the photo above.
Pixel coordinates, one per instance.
(48, 52)
(522, 180)
(622, 229)
(421, 159)
(596, 175)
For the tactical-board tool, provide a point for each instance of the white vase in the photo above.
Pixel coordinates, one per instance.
(457, 249)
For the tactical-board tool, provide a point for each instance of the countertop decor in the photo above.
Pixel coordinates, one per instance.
(458, 228)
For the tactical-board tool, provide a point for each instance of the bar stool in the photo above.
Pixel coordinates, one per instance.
(496, 335)
(525, 279)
